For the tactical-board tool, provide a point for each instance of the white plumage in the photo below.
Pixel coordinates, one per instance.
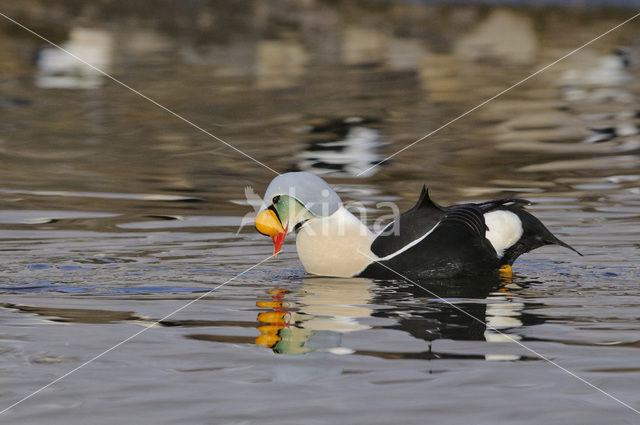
(505, 229)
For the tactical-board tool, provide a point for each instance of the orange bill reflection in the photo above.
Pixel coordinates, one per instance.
(315, 317)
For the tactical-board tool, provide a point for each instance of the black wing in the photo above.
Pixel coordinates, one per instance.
(469, 215)
(409, 226)
(455, 246)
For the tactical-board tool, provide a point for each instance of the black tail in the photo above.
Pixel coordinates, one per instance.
(553, 240)
(534, 235)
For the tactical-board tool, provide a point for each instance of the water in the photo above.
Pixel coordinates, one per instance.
(114, 214)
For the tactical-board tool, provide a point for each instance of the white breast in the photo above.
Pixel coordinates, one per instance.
(337, 245)
(505, 229)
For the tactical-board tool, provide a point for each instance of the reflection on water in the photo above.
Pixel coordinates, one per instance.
(59, 70)
(341, 147)
(487, 41)
(322, 310)
(66, 315)
(280, 64)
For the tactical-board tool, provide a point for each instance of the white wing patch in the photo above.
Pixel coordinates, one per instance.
(505, 229)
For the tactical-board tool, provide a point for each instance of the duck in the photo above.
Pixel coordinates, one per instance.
(427, 241)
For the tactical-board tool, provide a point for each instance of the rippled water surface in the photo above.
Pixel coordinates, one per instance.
(114, 213)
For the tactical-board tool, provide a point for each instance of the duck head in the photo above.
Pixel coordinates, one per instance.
(291, 200)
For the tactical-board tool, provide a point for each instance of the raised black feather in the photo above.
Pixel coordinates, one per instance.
(409, 226)
(468, 214)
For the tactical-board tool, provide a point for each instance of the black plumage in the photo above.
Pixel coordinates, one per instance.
(430, 240)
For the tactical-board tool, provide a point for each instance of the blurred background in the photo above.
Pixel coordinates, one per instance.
(311, 85)
(113, 212)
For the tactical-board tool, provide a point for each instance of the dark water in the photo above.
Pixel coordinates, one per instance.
(113, 213)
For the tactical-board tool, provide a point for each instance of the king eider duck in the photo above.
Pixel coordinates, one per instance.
(427, 241)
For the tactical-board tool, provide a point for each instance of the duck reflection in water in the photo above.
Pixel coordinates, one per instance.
(316, 317)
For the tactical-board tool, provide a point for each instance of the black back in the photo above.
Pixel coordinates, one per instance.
(425, 214)
(409, 226)
(455, 243)
(450, 241)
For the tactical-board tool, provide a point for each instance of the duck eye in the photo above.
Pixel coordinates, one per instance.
(275, 199)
